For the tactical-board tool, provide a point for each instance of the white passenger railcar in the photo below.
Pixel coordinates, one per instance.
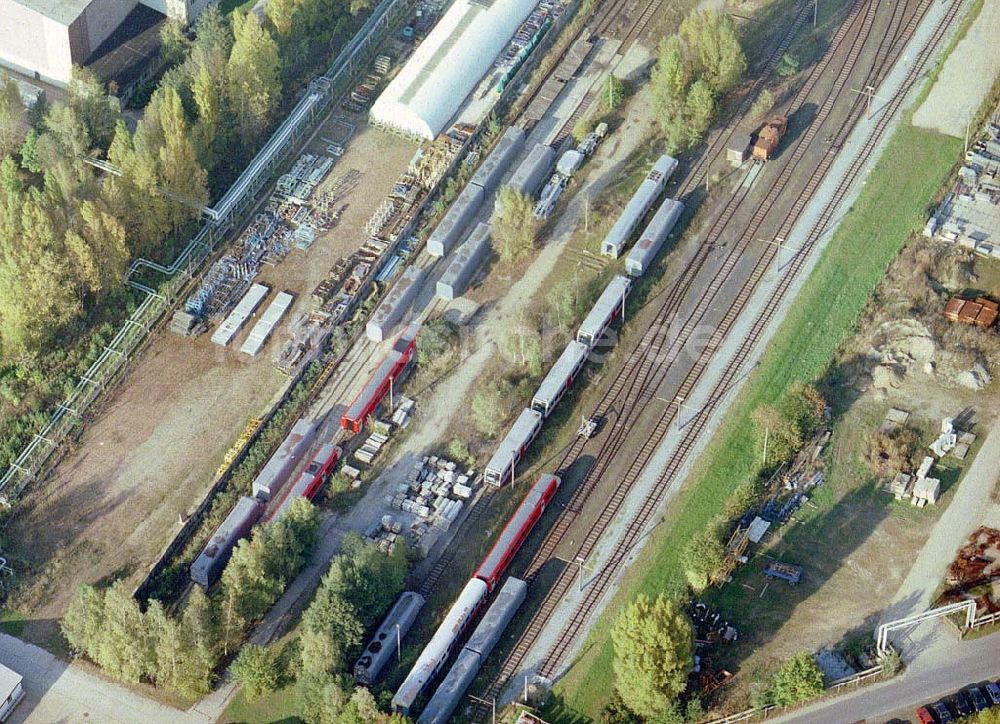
(609, 305)
(560, 378)
(638, 206)
(500, 468)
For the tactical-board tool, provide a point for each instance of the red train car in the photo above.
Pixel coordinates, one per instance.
(377, 388)
(517, 529)
(310, 481)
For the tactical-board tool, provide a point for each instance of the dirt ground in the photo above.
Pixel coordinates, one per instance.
(148, 458)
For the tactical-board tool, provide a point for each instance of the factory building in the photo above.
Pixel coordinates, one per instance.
(448, 65)
(44, 39)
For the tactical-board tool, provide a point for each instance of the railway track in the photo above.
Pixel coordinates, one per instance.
(640, 523)
(898, 33)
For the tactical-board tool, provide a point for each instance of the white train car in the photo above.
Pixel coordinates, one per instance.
(560, 378)
(609, 305)
(645, 250)
(640, 203)
(437, 650)
(511, 449)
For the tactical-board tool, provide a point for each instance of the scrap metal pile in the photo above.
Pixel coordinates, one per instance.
(975, 572)
(286, 220)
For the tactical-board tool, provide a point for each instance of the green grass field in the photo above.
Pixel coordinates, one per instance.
(893, 205)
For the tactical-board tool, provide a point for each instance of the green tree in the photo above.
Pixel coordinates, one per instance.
(515, 227)
(703, 556)
(181, 178)
(281, 15)
(29, 152)
(200, 629)
(654, 653)
(778, 437)
(86, 95)
(125, 650)
(254, 77)
(436, 344)
(256, 669)
(522, 344)
(714, 49)
(83, 621)
(788, 65)
(799, 679)
(670, 76)
(699, 109)
(492, 404)
(13, 117)
(174, 42)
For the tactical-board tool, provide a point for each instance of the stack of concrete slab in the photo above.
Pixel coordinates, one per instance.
(469, 257)
(239, 316)
(266, 324)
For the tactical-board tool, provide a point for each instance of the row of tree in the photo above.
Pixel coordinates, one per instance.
(359, 587)
(181, 653)
(696, 66)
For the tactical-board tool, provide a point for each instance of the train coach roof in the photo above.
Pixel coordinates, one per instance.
(555, 380)
(605, 307)
(514, 525)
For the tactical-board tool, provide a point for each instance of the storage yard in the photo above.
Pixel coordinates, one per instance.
(335, 257)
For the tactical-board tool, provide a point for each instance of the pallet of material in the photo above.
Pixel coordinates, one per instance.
(239, 316)
(265, 325)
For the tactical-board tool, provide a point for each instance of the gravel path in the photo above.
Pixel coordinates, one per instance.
(966, 77)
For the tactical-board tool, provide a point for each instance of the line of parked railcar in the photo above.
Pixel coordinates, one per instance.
(484, 582)
(502, 466)
(390, 368)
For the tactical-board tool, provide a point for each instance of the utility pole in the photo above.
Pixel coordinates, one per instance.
(869, 93)
(767, 431)
(492, 703)
(815, 11)
(399, 647)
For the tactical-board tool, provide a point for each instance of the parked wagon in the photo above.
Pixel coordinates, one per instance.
(641, 257)
(560, 378)
(511, 449)
(382, 647)
(393, 365)
(609, 305)
(638, 206)
(310, 481)
(209, 564)
(511, 538)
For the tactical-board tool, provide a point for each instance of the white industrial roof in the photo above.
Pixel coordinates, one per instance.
(62, 11)
(448, 65)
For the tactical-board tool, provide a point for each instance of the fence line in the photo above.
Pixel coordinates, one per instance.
(67, 418)
(856, 679)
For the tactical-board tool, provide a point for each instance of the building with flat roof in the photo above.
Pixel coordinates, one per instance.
(44, 39)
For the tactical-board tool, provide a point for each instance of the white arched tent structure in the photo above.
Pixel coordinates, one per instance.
(448, 65)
